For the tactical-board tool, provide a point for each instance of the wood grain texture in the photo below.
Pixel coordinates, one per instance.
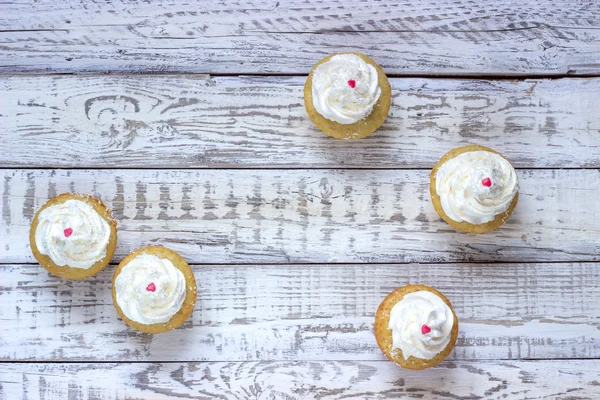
(198, 122)
(310, 216)
(561, 380)
(306, 312)
(266, 327)
(266, 37)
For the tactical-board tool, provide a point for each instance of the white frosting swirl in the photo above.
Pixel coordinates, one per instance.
(72, 234)
(148, 306)
(407, 319)
(476, 186)
(333, 96)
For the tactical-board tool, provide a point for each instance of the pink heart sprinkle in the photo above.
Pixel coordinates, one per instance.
(487, 182)
(352, 83)
(425, 329)
(68, 232)
(151, 287)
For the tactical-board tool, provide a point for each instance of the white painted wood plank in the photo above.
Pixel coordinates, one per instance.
(310, 216)
(195, 121)
(565, 380)
(428, 37)
(306, 312)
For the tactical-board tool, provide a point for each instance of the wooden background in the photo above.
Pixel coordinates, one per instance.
(188, 120)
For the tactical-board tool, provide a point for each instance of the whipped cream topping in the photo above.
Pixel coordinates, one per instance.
(72, 234)
(345, 88)
(149, 289)
(421, 325)
(476, 186)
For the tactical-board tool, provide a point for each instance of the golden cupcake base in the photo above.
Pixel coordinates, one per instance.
(384, 335)
(359, 129)
(190, 286)
(463, 225)
(66, 271)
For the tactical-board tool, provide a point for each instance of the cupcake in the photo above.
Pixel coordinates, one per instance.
(347, 95)
(154, 289)
(474, 189)
(73, 236)
(416, 327)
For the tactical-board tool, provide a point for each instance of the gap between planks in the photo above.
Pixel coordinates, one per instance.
(341, 360)
(245, 167)
(338, 264)
(466, 77)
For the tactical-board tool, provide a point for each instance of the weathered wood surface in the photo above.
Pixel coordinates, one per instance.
(306, 312)
(561, 380)
(549, 37)
(270, 216)
(198, 122)
(270, 331)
